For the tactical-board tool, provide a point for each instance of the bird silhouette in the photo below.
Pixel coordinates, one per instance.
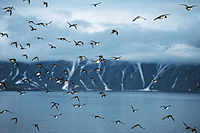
(133, 109)
(188, 8)
(54, 105)
(161, 17)
(46, 24)
(45, 3)
(63, 39)
(29, 1)
(79, 43)
(9, 9)
(97, 117)
(32, 28)
(13, 60)
(39, 38)
(165, 107)
(138, 17)
(137, 125)
(95, 4)
(116, 58)
(76, 97)
(72, 25)
(114, 32)
(5, 111)
(15, 119)
(36, 58)
(118, 122)
(56, 116)
(4, 34)
(36, 126)
(186, 126)
(169, 117)
(51, 46)
(25, 55)
(14, 43)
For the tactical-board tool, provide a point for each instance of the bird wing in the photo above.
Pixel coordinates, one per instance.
(183, 5)
(164, 117)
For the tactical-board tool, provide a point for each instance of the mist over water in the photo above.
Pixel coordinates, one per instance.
(34, 107)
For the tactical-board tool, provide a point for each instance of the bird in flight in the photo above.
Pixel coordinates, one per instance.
(32, 28)
(188, 8)
(39, 38)
(54, 105)
(36, 58)
(116, 58)
(72, 25)
(15, 43)
(138, 17)
(3, 84)
(95, 4)
(114, 32)
(63, 39)
(79, 43)
(21, 93)
(9, 9)
(97, 117)
(45, 3)
(165, 107)
(76, 97)
(118, 122)
(137, 125)
(14, 61)
(51, 46)
(56, 116)
(103, 95)
(48, 23)
(161, 17)
(25, 55)
(3, 34)
(84, 71)
(77, 105)
(5, 111)
(134, 110)
(14, 119)
(36, 126)
(169, 117)
(94, 43)
(186, 126)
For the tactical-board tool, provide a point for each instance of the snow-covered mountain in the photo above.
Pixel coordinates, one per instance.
(113, 76)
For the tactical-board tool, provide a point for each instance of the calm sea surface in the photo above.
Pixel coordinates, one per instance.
(34, 107)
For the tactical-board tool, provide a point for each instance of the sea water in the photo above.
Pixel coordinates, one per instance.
(34, 107)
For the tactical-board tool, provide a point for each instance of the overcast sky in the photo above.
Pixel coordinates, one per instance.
(175, 39)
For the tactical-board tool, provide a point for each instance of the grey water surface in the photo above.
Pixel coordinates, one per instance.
(34, 107)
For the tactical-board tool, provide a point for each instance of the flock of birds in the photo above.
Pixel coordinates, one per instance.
(72, 90)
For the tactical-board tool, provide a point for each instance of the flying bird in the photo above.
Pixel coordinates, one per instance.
(63, 39)
(194, 130)
(97, 117)
(72, 25)
(21, 47)
(48, 23)
(56, 116)
(3, 84)
(84, 71)
(79, 43)
(188, 8)
(26, 80)
(14, 61)
(116, 58)
(14, 43)
(41, 24)
(5, 111)
(94, 43)
(77, 105)
(45, 3)
(114, 32)
(25, 55)
(28, 45)
(103, 95)
(118, 122)
(31, 21)
(137, 125)
(29, 1)
(54, 105)
(32, 28)
(36, 58)
(39, 38)
(21, 93)
(36, 126)
(138, 17)
(186, 126)
(76, 97)
(51, 46)
(95, 4)
(14, 119)
(169, 117)
(3, 34)
(9, 9)
(163, 16)
(134, 110)
(165, 107)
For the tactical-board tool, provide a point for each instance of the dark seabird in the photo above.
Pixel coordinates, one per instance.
(21, 93)
(36, 58)
(15, 43)
(103, 95)
(29, 1)
(48, 23)
(97, 117)
(119, 122)
(114, 32)
(45, 3)
(21, 47)
(9, 9)
(54, 105)
(186, 126)
(78, 105)
(116, 58)
(32, 28)
(95, 4)
(76, 97)
(28, 45)
(56, 116)
(63, 39)
(165, 107)
(72, 25)
(39, 38)
(14, 119)
(14, 61)
(25, 55)
(138, 17)
(3, 84)
(36, 126)
(3, 34)
(79, 43)
(169, 117)
(5, 111)
(134, 110)
(137, 125)
(161, 17)
(188, 8)
(52, 47)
